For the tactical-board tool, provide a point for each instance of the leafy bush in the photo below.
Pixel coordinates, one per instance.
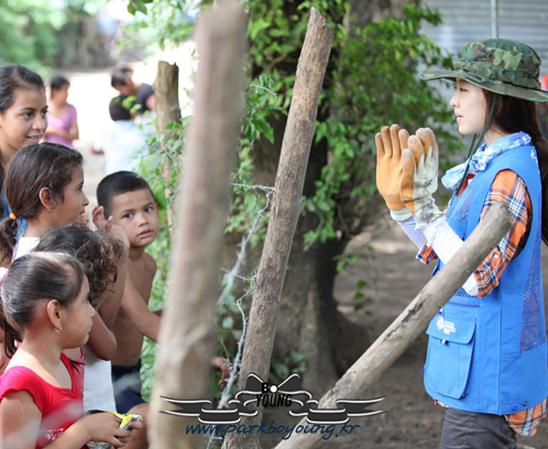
(371, 80)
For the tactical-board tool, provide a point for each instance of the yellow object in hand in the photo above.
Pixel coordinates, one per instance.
(127, 419)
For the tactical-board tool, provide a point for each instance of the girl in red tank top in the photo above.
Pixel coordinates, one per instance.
(44, 305)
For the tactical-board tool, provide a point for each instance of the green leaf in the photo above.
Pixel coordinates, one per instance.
(255, 27)
(228, 322)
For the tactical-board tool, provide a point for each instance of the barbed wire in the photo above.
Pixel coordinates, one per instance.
(242, 254)
(229, 280)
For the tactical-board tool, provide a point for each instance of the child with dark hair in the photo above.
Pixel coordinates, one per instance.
(62, 116)
(128, 201)
(104, 258)
(123, 140)
(23, 120)
(45, 307)
(44, 189)
(98, 252)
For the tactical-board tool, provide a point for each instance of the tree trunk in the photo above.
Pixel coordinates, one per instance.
(286, 200)
(308, 321)
(187, 334)
(166, 89)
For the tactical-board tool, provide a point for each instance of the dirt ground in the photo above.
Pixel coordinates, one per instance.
(411, 420)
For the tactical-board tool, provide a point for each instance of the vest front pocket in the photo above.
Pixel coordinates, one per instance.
(449, 357)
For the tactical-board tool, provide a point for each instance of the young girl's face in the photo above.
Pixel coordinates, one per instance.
(60, 96)
(73, 205)
(24, 122)
(77, 319)
(470, 107)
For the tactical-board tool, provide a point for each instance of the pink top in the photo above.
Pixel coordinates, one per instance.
(60, 407)
(65, 122)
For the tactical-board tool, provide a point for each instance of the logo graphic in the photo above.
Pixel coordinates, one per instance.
(289, 393)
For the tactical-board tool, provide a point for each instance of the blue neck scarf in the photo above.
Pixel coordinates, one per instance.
(480, 159)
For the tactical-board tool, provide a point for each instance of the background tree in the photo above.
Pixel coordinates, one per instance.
(371, 80)
(41, 34)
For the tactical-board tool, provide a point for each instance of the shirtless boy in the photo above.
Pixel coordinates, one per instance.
(128, 200)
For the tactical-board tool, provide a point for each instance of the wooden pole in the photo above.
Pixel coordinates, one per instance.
(166, 89)
(188, 332)
(413, 320)
(286, 204)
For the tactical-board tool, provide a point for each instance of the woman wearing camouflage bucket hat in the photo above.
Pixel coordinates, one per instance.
(487, 353)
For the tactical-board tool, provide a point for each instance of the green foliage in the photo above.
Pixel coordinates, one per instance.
(166, 21)
(371, 80)
(245, 206)
(28, 32)
(40, 34)
(295, 363)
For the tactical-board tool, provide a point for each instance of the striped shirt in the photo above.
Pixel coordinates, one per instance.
(511, 190)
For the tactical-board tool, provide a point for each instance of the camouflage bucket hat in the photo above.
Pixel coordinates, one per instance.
(498, 65)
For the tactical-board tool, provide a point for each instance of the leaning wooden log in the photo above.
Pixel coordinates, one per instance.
(286, 203)
(413, 320)
(188, 334)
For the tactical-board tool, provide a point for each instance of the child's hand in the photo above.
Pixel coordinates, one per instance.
(99, 219)
(104, 427)
(118, 233)
(223, 366)
(84, 218)
(108, 227)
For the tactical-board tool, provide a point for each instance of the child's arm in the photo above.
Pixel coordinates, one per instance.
(19, 421)
(101, 339)
(103, 427)
(20, 425)
(146, 322)
(112, 298)
(109, 303)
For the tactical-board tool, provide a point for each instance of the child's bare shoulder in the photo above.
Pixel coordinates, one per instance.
(150, 263)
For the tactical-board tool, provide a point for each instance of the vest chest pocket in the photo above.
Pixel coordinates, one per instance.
(449, 358)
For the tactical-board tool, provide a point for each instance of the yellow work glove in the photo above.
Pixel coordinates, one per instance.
(419, 179)
(390, 143)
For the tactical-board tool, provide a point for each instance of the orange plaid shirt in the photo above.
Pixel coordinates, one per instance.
(509, 189)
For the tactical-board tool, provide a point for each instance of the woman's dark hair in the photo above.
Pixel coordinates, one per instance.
(513, 115)
(97, 251)
(31, 169)
(32, 278)
(14, 77)
(57, 83)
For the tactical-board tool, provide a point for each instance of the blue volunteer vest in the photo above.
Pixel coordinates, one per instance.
(488, 354)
